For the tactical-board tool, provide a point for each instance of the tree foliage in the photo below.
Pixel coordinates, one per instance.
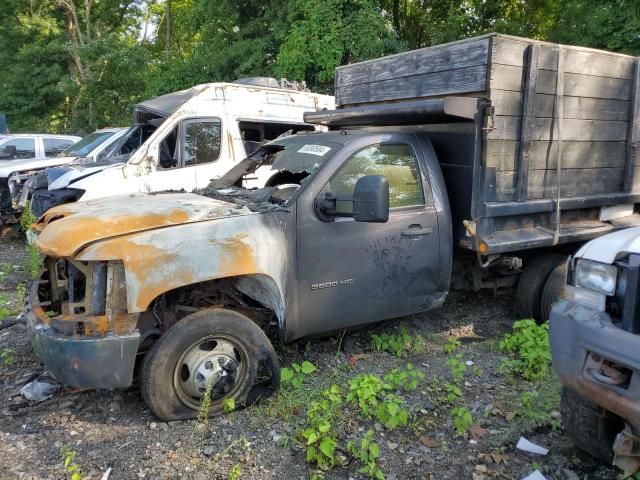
(77, 65)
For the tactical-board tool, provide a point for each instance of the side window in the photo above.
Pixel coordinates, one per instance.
(395, 161)
(168, 150)
(25, 147)
(55, 146)
(201, 142)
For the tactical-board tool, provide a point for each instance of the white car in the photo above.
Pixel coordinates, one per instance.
(24, 152)
(202, 133)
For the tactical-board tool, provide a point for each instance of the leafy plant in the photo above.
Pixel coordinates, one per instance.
(7, 356)
(367, 453)
(296, 374)
(453, 392)
(319, 434)
(390, 412)
(27, 219)
(5, 309)
(33, 262)
(373, 397)
(235, 472)
(406, 380)
(462, 419)
(72, 469)
(458, 367)
(229, 405)
(529, 348)
(399, 344)
(451, 345)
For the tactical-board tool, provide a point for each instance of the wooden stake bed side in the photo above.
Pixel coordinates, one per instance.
(600, 122)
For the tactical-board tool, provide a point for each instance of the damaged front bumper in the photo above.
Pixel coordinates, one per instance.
(600, 361)
(82, 350)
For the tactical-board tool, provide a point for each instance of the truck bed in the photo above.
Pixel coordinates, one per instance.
(533, 143)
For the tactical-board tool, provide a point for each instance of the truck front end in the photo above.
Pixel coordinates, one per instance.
(596, 347)
(79, 324)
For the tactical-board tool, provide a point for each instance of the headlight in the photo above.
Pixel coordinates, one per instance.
(599, 277)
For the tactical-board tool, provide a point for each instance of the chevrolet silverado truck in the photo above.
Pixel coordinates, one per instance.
(596, 348)
(421, 184)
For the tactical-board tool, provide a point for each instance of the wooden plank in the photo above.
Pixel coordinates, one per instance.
(509, 103)
(526, 124)
(575, 182)
(510, 51)
(417, 62)
(508, 77)
(501, 154)
(463, 80)
(634, 133)
(507, 128)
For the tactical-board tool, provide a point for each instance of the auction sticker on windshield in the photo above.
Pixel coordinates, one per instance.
(319, 150)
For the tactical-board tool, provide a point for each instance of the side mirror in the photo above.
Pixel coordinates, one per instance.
(370, 201)
(8, 152)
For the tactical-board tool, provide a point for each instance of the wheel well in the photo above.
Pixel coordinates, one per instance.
(256, 296)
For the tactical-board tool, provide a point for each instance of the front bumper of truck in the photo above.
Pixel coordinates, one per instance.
(597, 359)
(82, 350)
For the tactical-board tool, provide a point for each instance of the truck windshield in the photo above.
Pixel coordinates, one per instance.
(85, 146)
(274, 172)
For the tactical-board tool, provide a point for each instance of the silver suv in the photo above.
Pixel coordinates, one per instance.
(22, 146)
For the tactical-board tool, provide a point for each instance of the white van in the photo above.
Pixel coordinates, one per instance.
(202, 133)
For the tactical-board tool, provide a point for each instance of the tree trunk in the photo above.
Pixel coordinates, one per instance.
(168, 37)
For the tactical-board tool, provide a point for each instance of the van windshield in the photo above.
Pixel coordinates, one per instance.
(276, 171)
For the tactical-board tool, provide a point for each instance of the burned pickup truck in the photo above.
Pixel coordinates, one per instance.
(428, 178)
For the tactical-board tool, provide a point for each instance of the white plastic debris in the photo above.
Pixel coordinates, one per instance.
(535, 475)
(106, 474)
(527, 446)
(468, 363)
(38, 391)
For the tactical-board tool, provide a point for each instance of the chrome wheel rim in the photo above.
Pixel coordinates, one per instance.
(216, 364)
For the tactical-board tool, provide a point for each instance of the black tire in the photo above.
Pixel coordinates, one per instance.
(552, 290)
(531, 283)
(254, 373)
(592, 428)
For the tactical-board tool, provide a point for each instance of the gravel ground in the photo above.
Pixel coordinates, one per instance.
(114, 430)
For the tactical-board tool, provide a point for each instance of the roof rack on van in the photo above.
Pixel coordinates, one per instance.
(271, 82)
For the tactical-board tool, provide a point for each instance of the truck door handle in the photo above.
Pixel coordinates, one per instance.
(416, 230)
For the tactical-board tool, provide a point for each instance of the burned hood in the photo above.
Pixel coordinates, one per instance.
(66, 229)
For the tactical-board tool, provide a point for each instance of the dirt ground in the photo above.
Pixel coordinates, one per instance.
(114, 429)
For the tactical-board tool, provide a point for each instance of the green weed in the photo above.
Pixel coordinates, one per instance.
(453, 393)
(457, 367)
(72, 469)
(33, 262)
(7, 356)
(319, 434)
(529, 348)
(451, 345)
(462, 419)
(399, 344)
(27, 219)
(406, 380)
(229, 405)
(372, 395)
(235, 472)
(296, 374)
(367, 453)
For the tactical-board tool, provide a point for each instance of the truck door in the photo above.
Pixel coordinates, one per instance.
(352, 273)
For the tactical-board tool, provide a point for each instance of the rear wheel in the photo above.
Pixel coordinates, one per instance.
(592, 428)
(531, 283)
(552, 290)
(205, 359)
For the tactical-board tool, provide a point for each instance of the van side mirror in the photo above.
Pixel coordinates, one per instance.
(8, 152)
(370, 201)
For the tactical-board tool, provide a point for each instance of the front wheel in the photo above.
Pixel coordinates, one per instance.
(219, 354)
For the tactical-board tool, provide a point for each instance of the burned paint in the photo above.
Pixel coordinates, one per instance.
(159, 260)
(67, 228)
